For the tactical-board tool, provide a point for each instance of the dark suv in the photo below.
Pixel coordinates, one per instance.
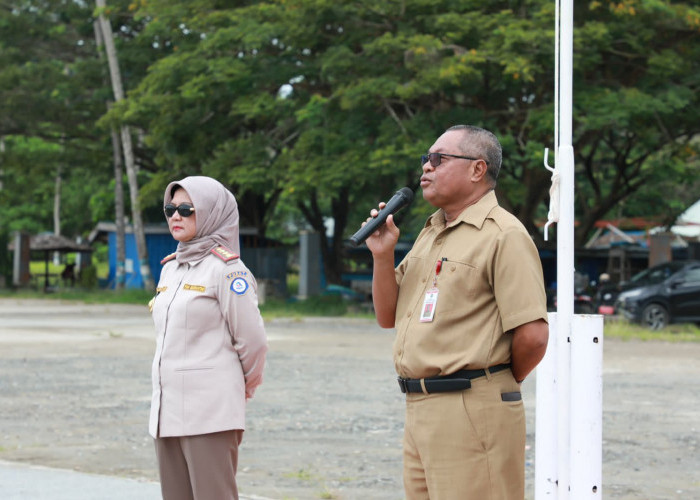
(667, 293)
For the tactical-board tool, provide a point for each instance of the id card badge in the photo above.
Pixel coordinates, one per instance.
(429, 304)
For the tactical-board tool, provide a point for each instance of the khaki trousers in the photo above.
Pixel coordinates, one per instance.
(199, 467)
(466, 445)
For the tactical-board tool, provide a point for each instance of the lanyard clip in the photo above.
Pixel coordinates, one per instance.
(438, 265)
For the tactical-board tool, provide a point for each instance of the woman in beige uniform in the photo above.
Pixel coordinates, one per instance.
(211, 345)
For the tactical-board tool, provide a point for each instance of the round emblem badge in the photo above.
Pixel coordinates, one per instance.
(239, 285)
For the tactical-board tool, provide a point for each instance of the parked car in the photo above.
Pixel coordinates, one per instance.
(667, 293)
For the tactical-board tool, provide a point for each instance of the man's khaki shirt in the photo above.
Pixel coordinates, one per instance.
(490, 282)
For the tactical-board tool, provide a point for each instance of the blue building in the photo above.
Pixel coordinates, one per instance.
(267, 259)
(159, 243)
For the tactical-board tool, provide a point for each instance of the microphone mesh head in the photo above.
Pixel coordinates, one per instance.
(407, 193)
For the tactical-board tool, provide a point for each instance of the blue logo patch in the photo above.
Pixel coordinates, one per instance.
(239, 286)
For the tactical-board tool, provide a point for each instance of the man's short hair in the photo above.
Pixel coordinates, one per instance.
(480, 143)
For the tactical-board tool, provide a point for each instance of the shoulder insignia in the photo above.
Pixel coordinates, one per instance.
(168, 258)
(224, 253)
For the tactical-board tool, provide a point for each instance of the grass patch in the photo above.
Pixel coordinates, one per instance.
(330, 306)
(314, 306)
(38, 268)
(301, 475)
(682, 332)
(307, 476)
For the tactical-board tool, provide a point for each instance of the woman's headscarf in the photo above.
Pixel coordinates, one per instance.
(217, 217)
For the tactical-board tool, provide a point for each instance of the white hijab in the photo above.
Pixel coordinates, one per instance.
(217, 217)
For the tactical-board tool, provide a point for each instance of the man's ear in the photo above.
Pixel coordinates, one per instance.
(479, 170)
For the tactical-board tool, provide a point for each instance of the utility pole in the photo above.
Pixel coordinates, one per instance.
(131, 167)
(569, 412)
(120, 272)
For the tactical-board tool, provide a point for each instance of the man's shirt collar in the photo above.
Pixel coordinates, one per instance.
(474, 214)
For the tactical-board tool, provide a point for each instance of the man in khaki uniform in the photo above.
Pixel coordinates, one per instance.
(469, 308)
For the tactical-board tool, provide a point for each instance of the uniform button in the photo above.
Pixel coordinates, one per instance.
(409, 314)
(399, 352)
(424, 280)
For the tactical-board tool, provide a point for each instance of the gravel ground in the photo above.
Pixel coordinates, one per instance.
(327, 422)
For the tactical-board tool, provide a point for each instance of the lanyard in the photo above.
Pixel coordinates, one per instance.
(431, 296)
(438, 268)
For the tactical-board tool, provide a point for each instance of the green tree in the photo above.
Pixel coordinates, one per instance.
(637, 78)
(328, 104)
(52, 94)
(323, 107)
(48, 108)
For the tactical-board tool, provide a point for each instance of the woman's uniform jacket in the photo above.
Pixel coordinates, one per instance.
(210, 348)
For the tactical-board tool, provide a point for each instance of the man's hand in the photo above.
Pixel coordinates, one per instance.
(383, 240)
(385, 291)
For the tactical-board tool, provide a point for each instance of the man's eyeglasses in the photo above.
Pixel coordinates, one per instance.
(436, 158)
(184, 209)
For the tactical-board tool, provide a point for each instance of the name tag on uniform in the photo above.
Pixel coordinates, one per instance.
(429, 304)
(195, 288)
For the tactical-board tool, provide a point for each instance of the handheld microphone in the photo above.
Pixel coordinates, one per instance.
(403, 197)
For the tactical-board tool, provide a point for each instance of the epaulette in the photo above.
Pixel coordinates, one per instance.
(168, 258)
(224, 253)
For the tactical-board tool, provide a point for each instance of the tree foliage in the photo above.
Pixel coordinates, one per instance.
(51, 95)
(315, 110)
(638, 75)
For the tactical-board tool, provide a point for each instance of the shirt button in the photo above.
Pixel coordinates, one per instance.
(409, 314)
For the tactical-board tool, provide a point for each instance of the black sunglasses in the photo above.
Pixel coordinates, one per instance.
(184, 209)
(436, 158)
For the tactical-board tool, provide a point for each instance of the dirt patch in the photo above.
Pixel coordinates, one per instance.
(327, 422)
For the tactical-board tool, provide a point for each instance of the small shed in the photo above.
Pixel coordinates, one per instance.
(46, 244)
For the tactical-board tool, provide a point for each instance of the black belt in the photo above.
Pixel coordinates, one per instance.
(457, 381)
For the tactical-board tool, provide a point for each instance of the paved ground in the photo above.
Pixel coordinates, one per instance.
(22, 482)
(75, 389)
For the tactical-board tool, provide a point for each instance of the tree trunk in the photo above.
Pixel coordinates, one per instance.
(331, 251)
(131, 168)
(120, 271)
(57, 212)
(120, 277)
(2, 150)
(57, 203)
